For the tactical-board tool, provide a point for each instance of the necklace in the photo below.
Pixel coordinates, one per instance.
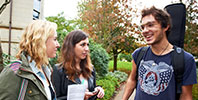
(161, 53)
(164, 49)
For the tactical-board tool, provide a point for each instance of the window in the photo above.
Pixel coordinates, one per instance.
(36, 9)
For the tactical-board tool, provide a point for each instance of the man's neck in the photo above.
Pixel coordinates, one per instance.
(161, 48)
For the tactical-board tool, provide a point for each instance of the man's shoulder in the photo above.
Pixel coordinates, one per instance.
(188, 55)
(139, 49)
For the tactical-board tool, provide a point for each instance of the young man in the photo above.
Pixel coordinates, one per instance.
(156, 79)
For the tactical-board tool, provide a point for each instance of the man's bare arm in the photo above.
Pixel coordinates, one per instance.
(186, 92)
(131, 83)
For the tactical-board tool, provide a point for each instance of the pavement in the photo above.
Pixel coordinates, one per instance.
(121, 92)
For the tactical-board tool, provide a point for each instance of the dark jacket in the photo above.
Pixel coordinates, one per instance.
(61, 82)
(10, 83)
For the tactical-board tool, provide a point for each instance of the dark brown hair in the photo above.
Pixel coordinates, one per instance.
(68, 56)
(161, 16)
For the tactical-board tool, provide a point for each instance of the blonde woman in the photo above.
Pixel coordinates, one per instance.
(28, 78)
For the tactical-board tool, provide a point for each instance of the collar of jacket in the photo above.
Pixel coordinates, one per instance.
(77, 80)
(25, 71)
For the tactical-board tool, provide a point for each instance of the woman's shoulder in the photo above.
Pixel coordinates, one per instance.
(9, 72)
(12, 67)
(58, 69)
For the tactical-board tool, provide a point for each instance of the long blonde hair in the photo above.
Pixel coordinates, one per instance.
(33, 41)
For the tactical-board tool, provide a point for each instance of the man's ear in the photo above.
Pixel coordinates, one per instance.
(167, 28)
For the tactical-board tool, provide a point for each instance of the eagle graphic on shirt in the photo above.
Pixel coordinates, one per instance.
(154, 78)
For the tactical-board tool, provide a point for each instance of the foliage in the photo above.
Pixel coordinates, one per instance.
(109, 84)
(121, 65)
(196, 61)
(109, 22)
(99, 58)
(7, 59)
(191, 36)
(195, 90)
(64, 26)
(126, 57)
(121, 76)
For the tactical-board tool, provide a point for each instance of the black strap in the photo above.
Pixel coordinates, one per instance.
(139, 58)
(178, 66)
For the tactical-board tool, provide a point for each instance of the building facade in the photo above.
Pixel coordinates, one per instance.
(15, 15)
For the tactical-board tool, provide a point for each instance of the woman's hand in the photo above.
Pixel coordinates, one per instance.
(97, 91)
(100, 92)
(89, 94)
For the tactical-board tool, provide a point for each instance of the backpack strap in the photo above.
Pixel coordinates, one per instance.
(23, 89)
(178, 66)
(15, 65)
(139, 58)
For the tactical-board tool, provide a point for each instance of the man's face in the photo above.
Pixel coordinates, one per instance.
(151, 30)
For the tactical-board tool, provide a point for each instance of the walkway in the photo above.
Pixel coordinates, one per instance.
(121, 92)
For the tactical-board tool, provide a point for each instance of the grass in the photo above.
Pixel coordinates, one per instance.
(121, 66)
(195, 89)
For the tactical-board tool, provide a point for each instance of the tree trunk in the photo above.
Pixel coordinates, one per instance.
(1, 58)
(115, 62)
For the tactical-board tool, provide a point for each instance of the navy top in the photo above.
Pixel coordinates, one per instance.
(156, 80)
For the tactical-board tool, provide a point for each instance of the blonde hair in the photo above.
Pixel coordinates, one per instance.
(33, 41)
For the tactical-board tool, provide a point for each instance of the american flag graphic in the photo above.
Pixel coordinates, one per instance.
(154, 78)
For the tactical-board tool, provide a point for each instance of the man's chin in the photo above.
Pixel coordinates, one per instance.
(149, 42)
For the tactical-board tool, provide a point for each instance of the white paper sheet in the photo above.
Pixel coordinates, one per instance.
(76, 92)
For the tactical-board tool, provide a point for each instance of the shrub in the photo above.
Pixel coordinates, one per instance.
(196, 60)
(121, 76)
(109, 84)
(99, 58)
(126, 57)
(195, 90)
(6, 59)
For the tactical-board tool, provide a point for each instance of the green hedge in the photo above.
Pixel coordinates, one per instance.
(126, 57)
(109, 85)
(110, 82)
(121, 76)
(195, 90)
(99, 58)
